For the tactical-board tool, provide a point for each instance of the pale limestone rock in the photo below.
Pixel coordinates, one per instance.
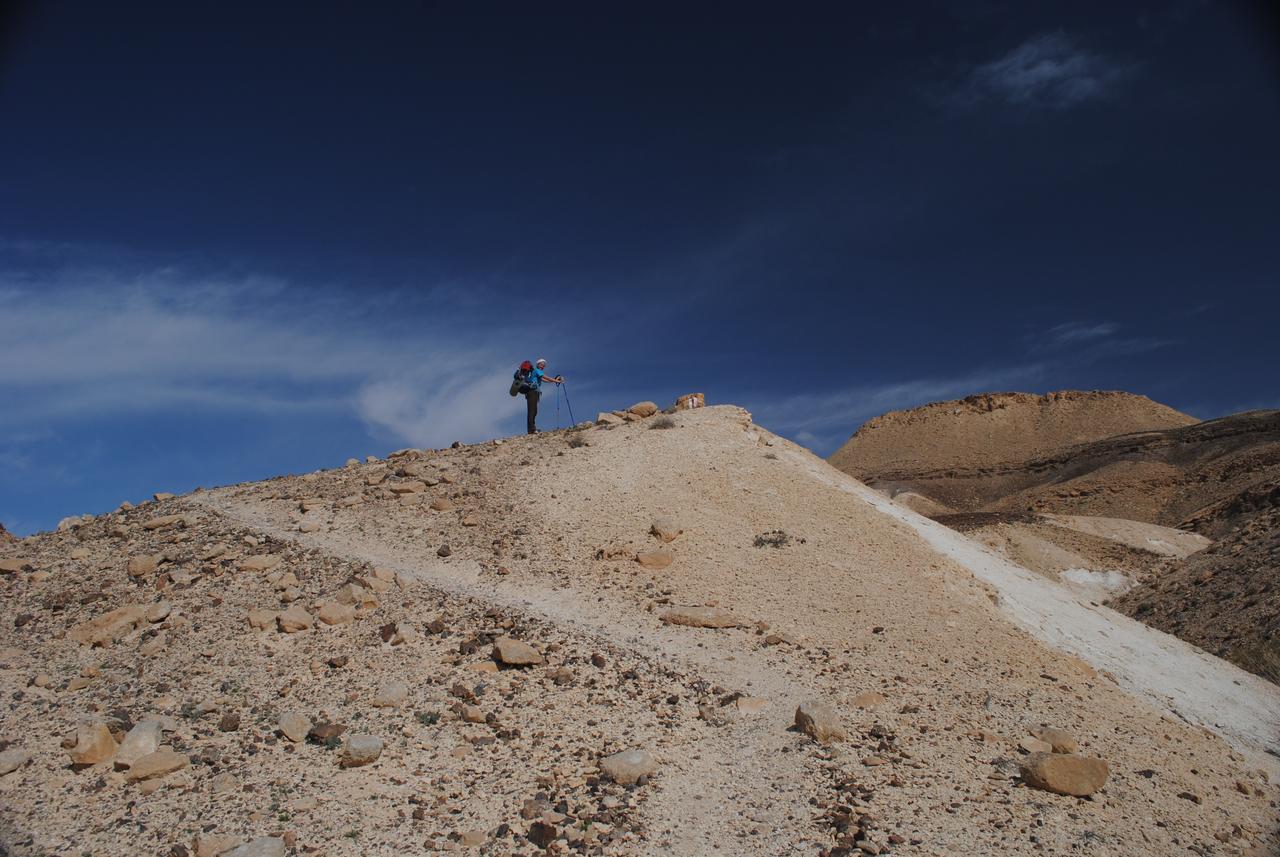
(360, 749)
(94, 744)
(144, 738)
(627, 767)
(515, 653)
(1064, 773)
(294, 726)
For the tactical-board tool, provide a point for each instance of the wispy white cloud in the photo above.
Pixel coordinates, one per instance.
(1050, 70)
(1083, 342)
(84, 343)
(1074, 331)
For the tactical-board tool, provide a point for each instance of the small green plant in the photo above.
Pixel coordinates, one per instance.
(352, 834)
(427, 718)
(284, 816)
(663, 423)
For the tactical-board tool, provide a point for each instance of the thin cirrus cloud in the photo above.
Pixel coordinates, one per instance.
(85, 344)
(1048, 71)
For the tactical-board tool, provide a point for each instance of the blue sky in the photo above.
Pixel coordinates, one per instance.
(238, 240)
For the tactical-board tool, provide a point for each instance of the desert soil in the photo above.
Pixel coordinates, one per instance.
(926, 649)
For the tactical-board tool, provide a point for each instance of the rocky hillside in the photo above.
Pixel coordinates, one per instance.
(677, 634)
(993, 429)
(6, 537)
(1219, 479)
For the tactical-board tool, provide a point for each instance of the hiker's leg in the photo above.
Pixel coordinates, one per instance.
(531, 398)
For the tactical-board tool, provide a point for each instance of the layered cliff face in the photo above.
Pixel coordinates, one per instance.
(616, 640)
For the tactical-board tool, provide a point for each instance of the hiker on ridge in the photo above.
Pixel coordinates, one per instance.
(534, 391)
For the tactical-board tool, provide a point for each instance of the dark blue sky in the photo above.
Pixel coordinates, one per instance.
(243, 239)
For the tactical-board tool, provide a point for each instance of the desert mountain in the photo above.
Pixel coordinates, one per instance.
(987, 431)
(678, 634)
(1178, 521)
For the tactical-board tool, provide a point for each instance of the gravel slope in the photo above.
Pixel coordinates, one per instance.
(842, 598)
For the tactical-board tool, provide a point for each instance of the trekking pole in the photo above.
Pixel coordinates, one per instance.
(557, 407)
(567, 402)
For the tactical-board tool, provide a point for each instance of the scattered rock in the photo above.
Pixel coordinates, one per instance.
(444, 550)
(1064, 773)
(229, 722)
(10, 565)
(819, 721)
(159, 611)
(294, 726)
(164, 521)
(391, 695)
(655, 559)
(440, 504)
(515, 653)
(361, 749)
(294, 619)
(666, 529)
(333, 613)
(1035, 745)
(12, 759)
(1059, 740)
(157, 764)
(263, 846)
(93, 744)
(261, 620)
(868, 699)
(542, 834)
(627, 767)
(141, 566)
(260, 562)
(143, 739)
(109, 627)
(702, 617)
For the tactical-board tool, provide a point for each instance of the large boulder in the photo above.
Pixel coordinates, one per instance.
(1064, 773)
(643, 409)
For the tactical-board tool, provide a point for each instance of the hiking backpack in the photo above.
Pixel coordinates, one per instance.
(520, 381)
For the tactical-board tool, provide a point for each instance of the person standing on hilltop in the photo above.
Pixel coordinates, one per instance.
(534, 391)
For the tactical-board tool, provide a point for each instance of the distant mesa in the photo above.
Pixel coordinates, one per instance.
(1176, 520)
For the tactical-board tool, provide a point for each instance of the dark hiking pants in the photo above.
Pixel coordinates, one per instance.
(531, 398)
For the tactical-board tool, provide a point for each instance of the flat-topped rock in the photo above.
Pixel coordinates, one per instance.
(702, 617)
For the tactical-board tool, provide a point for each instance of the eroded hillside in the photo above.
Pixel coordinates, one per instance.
(444, 650)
